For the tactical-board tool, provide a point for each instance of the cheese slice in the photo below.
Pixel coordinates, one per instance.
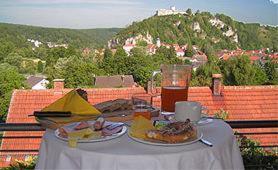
(79, 134)
(140, 126)
(87, 133)
(72, 142)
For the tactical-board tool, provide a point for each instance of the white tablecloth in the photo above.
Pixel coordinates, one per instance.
(125, 154)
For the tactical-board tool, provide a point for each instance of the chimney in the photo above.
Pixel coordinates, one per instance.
(216, 84)
(58, 84)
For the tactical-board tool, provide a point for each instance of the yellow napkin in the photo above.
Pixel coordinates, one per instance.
(74, 103)
(140, 126)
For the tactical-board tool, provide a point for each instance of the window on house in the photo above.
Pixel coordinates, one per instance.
(8, 158)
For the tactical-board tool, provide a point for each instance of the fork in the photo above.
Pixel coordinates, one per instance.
(113, 126)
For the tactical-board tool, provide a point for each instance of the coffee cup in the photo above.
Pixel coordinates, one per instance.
(188, 110)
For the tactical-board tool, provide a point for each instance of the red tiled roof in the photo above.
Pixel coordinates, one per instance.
(254, 58)
(241, 102)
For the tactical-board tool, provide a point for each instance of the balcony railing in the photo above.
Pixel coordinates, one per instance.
(234, 124)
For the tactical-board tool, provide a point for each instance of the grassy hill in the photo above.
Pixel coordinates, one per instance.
(204, 29)
(18, 34)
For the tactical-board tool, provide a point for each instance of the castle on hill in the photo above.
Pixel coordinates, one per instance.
(171, 11)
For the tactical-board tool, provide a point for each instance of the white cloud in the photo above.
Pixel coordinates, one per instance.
(274, 1)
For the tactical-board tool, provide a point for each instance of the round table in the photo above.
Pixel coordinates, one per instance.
(124, 153)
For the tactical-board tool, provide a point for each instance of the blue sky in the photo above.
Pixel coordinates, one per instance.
(120, 13)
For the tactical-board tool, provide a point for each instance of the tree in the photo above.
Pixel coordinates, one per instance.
(189, 11)
(10, 79)
(240, 71)
(14, 59)
(189, 51)
(107, 53)
(208, 49)
(271, 69)
(203, 74)
(40, 67)
(120, 52)
(76, 71)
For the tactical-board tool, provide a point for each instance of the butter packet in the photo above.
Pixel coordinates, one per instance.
(159, 124)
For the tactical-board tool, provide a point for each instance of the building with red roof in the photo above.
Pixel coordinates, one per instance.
(241, 102)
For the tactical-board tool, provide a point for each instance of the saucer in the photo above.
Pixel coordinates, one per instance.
(204, 121)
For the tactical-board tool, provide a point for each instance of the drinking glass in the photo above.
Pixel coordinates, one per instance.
(141, 105)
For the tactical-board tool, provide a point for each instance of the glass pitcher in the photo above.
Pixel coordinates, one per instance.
(174, 85)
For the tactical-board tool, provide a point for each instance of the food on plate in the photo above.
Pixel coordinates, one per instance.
(175, 132)
(88, 130)
(82, 125)
(98, 125)
(74, 136)
(114, 105)
(159, 124)
(109, 132)
(140, 126)
(62, 132)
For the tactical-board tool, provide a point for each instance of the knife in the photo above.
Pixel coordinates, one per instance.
(51, 114)
(206, 142)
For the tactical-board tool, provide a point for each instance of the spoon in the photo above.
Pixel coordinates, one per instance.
(206, 142)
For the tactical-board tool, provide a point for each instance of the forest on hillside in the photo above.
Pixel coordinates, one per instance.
(79, 38)
(184, 29)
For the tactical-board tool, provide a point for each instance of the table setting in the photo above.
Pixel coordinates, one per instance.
(132, 134)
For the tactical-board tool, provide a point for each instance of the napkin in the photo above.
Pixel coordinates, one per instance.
(74, 103)
(140, 126)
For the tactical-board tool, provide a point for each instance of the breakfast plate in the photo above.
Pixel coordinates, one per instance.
(160, 143)
(70, 128)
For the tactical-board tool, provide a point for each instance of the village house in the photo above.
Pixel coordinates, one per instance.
(37, 83)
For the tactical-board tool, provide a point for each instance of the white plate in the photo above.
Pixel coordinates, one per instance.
(71, 126)
(158, 143)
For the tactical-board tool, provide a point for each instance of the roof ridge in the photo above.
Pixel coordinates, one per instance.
(252, 87)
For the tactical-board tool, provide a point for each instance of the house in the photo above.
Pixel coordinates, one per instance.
(151, 49)
(180, 52)
(128, 47)
(37, 83)
(86, 51)
(254, 58)
(115, 81)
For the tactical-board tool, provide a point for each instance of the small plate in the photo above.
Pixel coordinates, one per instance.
(103, 138)
(158, 143)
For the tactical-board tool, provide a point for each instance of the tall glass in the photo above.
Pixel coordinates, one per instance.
(174, 85)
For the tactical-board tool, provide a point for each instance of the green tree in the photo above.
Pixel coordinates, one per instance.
(240, 71)
(189, 11)
(120, 52)
(189, 51)
(76, 71)
(107, 53)
(14, 59)
(203, 74)
(271, 69)
(10, 79)
(40, 67)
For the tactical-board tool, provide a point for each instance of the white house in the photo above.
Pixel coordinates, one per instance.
(128, 47)
(37, 83)
(180, 52)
